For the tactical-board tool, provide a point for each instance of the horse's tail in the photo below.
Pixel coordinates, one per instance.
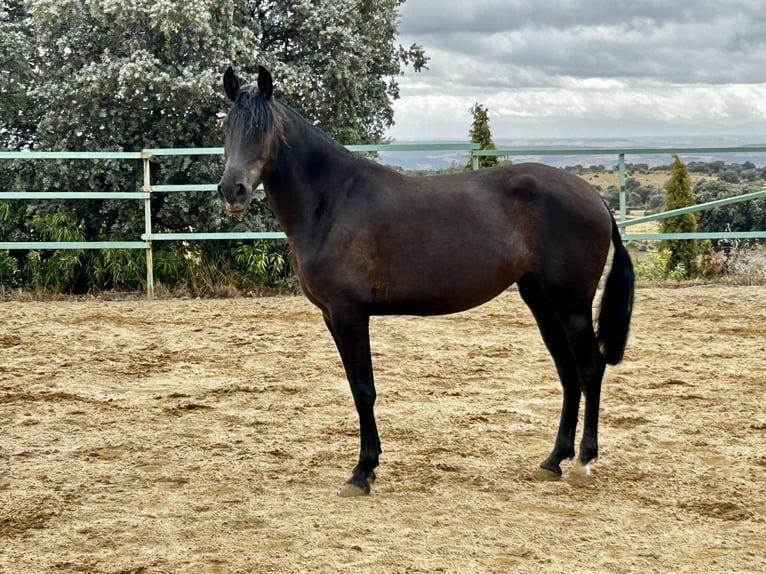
(616, 303)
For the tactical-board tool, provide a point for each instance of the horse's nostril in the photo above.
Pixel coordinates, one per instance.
(241, 191)
(220, 191)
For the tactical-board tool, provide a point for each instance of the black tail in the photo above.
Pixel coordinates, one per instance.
(616, 303)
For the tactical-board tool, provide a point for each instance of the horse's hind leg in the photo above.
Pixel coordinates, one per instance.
(558, 345)
(577, 324)
(591, 365)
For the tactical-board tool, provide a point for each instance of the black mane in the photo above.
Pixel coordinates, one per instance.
(253, 115)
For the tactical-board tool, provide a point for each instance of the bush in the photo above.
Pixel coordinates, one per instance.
(746, 266)
(263, 263)
(120, 269)
(657, 268)
(10, 275)
(711, 263)
(218, 268)
(61, 270)
(744, 216)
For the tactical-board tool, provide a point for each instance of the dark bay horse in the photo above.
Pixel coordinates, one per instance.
(367, 240)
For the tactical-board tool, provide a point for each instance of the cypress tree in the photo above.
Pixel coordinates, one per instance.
(481, 135)
(678, 193)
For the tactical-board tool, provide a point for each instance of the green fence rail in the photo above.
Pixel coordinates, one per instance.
(148, 188)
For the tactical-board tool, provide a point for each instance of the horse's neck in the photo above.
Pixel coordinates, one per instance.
(309, 169)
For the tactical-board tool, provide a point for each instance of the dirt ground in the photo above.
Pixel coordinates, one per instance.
(213, 436)
(655, 178)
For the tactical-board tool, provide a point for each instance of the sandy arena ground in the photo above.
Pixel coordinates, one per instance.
(213, 436)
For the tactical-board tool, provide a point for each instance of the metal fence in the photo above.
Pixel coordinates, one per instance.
(147, 188)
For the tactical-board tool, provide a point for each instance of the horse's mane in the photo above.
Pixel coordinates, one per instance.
(257, 117)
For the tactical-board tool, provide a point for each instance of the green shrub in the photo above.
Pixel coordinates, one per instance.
(657, 268)
(60, 270)
(10, 275)
(121, 269)
(175, 264)
(264, 263)
(711, 263)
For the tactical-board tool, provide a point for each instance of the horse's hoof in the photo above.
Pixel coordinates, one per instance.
(580, 475)
(348, 490)
(356, 485)
(549, 470)
(544, 474)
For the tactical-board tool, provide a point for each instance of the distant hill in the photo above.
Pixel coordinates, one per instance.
(437, 160)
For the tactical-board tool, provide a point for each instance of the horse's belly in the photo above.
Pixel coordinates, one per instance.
(431, 306)
(444, 290)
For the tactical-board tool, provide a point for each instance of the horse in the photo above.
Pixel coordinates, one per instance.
(368, 241)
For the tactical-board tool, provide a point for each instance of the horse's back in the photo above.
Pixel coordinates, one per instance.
(547, 222)
(529, 202)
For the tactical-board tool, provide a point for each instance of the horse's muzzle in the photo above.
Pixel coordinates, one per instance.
(236, 211)
(236, 198)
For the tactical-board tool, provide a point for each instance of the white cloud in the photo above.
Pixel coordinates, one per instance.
(599, 65)
(599, 102)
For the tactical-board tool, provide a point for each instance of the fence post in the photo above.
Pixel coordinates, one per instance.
(623, 208)
(148, 226)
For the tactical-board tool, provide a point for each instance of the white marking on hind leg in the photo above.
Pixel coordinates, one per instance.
(581, 475)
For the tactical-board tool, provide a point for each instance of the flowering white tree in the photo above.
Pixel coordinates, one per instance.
(131, 74)
(126, 74)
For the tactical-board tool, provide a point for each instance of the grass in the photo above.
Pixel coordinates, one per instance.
(646, 227)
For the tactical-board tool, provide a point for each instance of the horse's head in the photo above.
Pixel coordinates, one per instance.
(252, 131)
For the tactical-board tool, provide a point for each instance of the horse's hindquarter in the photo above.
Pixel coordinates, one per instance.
(569, 228)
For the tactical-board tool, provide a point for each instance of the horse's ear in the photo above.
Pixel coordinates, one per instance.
(230, 83)
(265, 85)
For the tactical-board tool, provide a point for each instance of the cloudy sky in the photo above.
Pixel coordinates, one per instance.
(585, 68)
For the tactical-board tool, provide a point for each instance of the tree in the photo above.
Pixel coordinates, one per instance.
(744, 216)
(116, 75)
(337, 61)
(632, 184)
(678, 194)
(127, 75)
(15, 72)
(480, 134)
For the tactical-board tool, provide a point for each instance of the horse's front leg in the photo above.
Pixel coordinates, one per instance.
(350, 330)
